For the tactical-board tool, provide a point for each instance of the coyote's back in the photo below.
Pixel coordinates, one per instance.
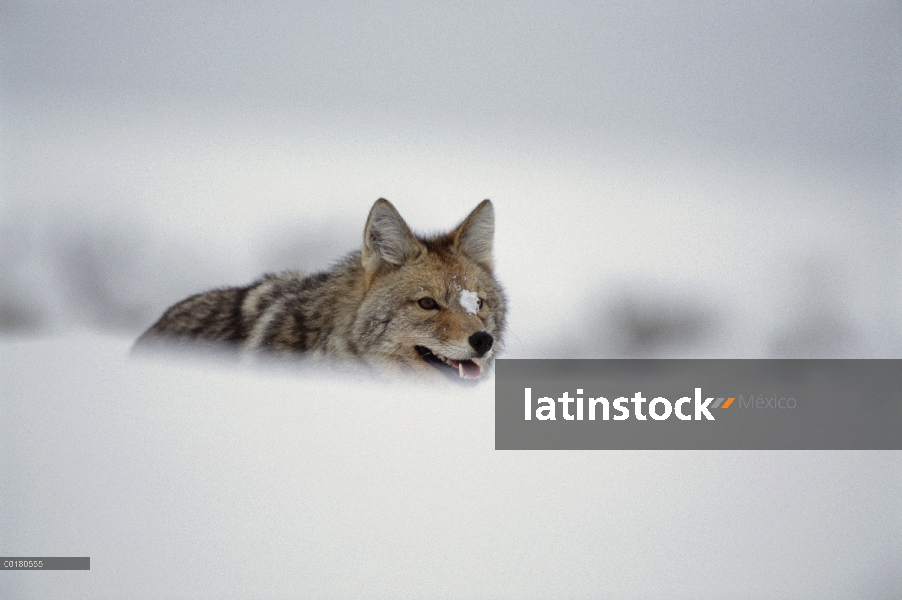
(429, 303)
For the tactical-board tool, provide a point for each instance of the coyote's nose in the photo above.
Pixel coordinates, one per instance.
(482, 342)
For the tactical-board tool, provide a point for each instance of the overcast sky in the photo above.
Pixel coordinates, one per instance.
(820, 80)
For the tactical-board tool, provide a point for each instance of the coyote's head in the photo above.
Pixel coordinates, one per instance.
(430, 302)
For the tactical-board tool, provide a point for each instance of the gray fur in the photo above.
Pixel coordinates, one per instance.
(366, 307)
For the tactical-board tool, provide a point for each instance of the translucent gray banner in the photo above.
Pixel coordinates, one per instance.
(45, 563)
(698, 404)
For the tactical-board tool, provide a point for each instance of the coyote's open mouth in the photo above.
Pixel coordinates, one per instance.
(467, 369)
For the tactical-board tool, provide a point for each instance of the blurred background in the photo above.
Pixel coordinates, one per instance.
(670, 179)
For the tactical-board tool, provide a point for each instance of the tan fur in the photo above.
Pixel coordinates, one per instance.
(370, 307)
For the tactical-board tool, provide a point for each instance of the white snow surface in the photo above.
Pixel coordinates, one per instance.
(469, 301)
(195, 478)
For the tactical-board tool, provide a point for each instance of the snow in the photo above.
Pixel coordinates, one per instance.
(469, 301)
(185, 476)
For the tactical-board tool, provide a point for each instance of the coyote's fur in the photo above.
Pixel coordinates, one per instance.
(422, 302)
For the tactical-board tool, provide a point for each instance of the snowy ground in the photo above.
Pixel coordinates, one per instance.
(194, 479)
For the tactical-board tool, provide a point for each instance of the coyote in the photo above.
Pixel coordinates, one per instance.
(425, 303)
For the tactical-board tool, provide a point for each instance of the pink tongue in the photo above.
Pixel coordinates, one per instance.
(469, 369)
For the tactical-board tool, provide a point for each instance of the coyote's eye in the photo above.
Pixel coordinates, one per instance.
(428, 304)
(481, 303)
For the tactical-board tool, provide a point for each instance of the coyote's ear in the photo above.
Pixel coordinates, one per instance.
(474, 236)
(387, 239)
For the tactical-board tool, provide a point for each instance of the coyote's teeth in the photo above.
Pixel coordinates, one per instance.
(466, 368)
(469, 369)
